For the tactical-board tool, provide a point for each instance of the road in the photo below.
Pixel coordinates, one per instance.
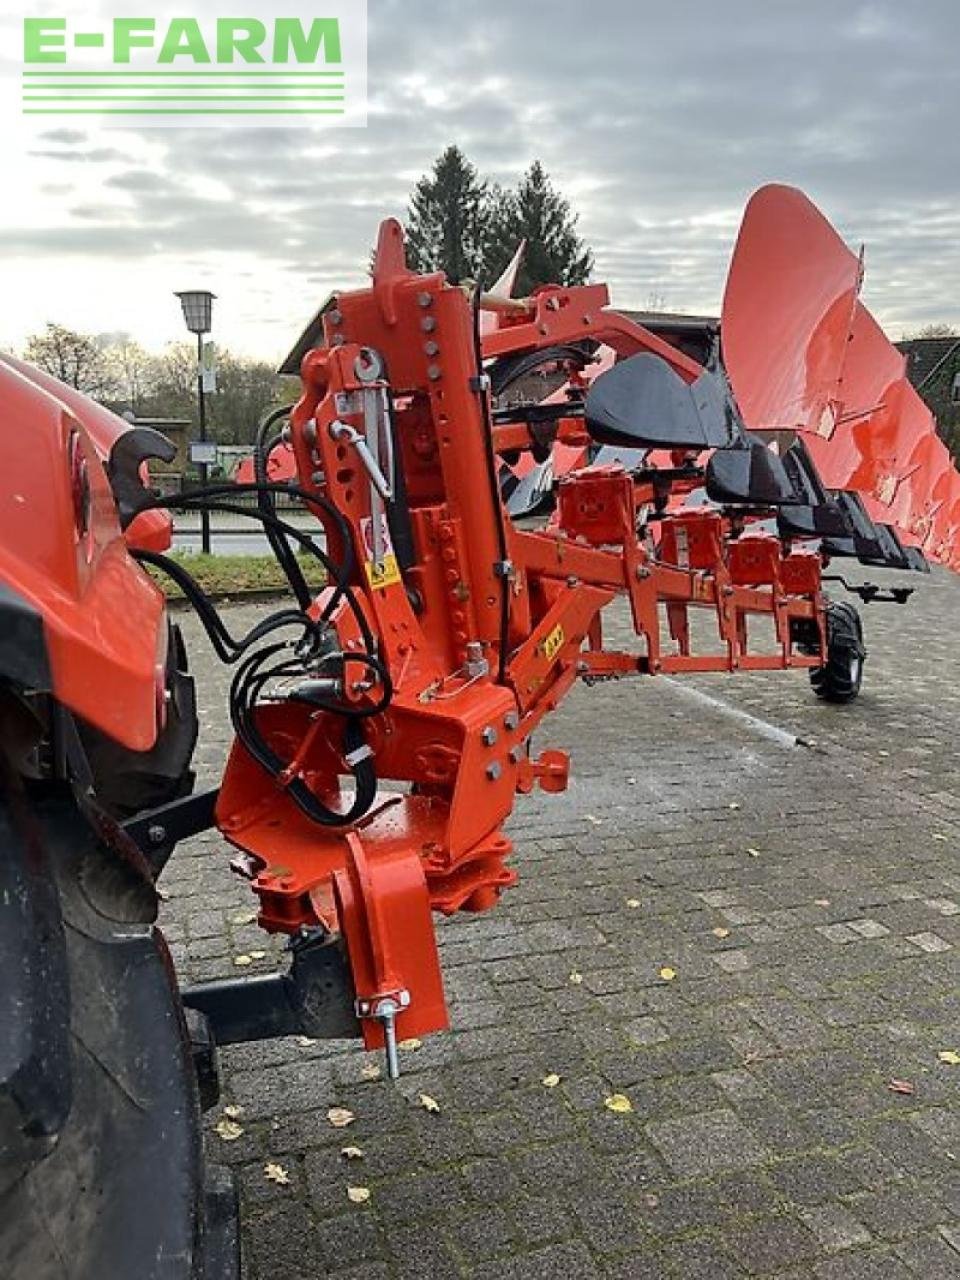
(806, 900)
(231, 535)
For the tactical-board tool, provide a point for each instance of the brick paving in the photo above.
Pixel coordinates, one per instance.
(808, 901)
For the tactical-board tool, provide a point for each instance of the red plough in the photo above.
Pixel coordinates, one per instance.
(384, 715)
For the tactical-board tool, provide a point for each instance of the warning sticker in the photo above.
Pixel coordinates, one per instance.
(553, 643)
(384, 572)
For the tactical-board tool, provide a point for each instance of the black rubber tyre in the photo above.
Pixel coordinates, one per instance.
(840, 678)
(101, 1160)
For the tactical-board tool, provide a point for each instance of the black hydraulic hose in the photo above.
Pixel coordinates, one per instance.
(503, 568)
(279, 544)
(246, 685)
(252, 676)
(227, 648)
(208, 497)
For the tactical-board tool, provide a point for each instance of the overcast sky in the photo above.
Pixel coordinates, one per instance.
(656, 120)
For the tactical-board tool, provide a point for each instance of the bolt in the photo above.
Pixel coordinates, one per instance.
(494, 771)
(431, 348)
(488, 736)
(510, 721)
(156, 834)
(428, 324)
(433, 372)
(335, 317)
(387, 1011)
(516, 754)
(425, 299)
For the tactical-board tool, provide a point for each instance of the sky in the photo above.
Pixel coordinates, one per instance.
(655, 120)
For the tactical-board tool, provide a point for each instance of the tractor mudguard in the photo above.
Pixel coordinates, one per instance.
(101, 1162)
(64, 562)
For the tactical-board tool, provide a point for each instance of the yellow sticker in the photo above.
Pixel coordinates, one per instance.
(553, 643)
(384, 574)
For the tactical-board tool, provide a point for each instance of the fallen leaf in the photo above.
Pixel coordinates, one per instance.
(618, 1102)
(633, 903)
(668, 974)
(242, 961)
(340, 1117)
(591, 818)
(721, 933)
(305, 1041)
(249, 917)
(949, 1056)
(411, 1045)
(901, 1086)
(229, 1130)
(576, 978)
(370, 1071)
(883, 753)
(733, 805)
(938, 835)
(276, 1173)
(821, 902)
(358, 1195)
(233, 1112)
(428, 1103)
(550, 1081)
(352, 1153)
(257, 955)
(753, 853)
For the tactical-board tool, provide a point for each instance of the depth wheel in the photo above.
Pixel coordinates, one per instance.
(841, 676)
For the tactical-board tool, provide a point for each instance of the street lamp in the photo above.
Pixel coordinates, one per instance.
(198, 313)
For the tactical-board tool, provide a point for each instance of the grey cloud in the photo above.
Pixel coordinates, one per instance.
(93, 155)
(69, 137)
(657, 120)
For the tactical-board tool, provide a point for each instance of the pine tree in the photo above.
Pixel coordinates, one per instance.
(447, 219)
(538, 213)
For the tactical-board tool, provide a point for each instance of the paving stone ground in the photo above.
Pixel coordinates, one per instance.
(808, 900)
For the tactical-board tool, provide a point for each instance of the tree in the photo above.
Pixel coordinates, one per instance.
(448, 219)
(539, 214)
(246, 389)
(130, 372)
(938, 330)
(74, 358)
(469, 228)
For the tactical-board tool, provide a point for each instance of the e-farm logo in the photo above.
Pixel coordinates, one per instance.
(262, 68)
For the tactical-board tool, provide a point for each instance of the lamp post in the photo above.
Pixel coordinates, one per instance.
(197, 313)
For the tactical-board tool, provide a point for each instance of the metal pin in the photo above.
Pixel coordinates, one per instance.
(387, 1011)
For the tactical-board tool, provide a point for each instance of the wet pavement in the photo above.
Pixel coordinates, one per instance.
(790, 1110)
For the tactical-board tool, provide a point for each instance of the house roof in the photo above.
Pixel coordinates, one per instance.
(926, 356)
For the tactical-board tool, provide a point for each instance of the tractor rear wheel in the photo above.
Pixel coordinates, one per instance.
(101, 1157)
(839, 679)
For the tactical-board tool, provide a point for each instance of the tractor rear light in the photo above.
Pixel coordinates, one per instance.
(79, 484)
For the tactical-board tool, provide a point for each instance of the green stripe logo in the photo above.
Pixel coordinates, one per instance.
(177, 69)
